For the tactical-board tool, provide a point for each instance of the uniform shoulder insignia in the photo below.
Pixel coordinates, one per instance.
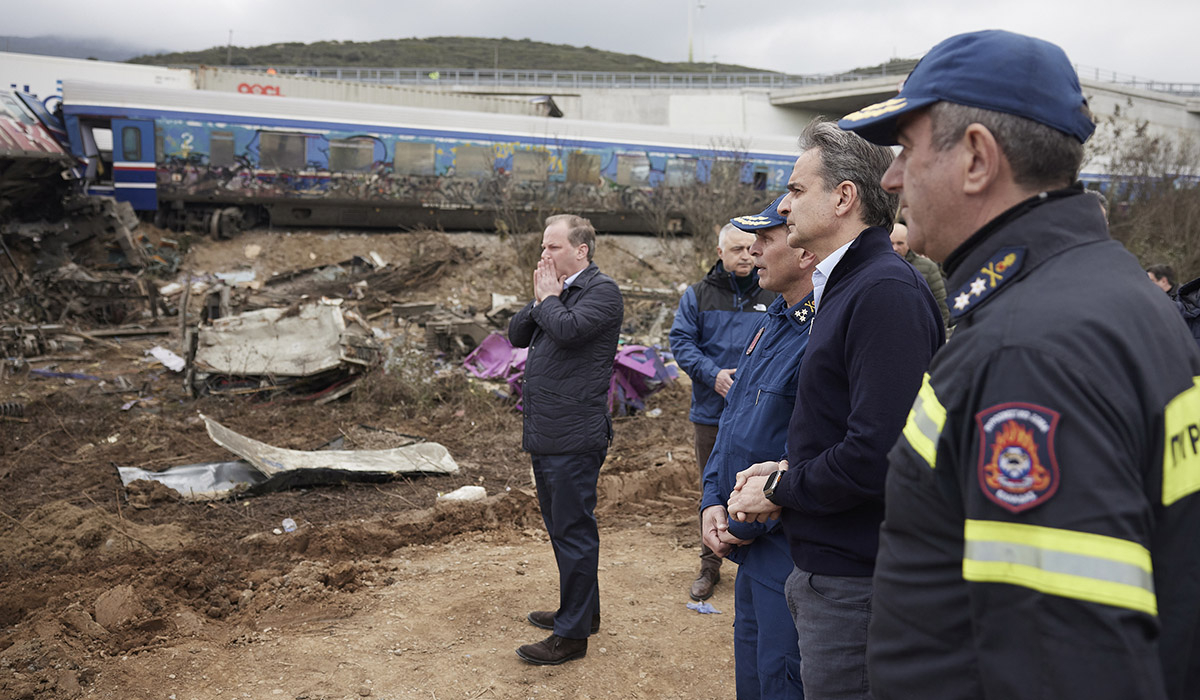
(805, 313)
(1018, 469)
(999, 269)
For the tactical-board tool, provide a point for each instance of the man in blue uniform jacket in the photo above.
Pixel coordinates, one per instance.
(712, 326)
(753, 429)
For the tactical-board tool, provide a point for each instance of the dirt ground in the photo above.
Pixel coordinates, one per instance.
(380, 592)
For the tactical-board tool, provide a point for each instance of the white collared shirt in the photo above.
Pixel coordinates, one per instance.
(567, 282)
(824, 269)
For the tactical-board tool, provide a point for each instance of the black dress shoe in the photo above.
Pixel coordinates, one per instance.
(553, 650)
(545, 620)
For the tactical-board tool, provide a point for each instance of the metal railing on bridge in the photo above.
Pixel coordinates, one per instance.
(1108, 76)
(430, 77)
(560, 80)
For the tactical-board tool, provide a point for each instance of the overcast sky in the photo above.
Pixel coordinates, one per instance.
(1155, 39)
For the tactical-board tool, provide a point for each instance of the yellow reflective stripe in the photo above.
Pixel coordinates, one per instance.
(1065, 563)
(1181, 445)
(925, 421)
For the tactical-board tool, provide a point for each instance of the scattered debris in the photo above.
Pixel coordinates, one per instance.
(638, 372)
(30, 341)
(88, 264)
(333, 466)
(308, 349)
(464, 494)
(265, 468)
(497, 359)
(51, 374)
(212, 481)
(704, 608)
(170, 360)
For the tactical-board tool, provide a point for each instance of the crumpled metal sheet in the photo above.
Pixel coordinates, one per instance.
(265, 468)
(422, 457)
(275, 342)
(200, 482)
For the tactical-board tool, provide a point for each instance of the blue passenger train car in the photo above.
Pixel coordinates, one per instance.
(191, 157)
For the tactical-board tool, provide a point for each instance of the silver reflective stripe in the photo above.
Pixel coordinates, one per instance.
(1051, 561)
(1064, 563)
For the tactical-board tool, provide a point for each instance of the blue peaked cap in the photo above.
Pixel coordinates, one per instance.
(994, 70)
(768, 218)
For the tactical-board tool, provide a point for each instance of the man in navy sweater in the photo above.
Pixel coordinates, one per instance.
(876, 328)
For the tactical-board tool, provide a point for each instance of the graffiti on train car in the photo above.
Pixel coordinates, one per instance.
(248, 164)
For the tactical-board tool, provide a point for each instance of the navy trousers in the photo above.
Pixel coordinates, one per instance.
(766, 659)
(566, 489)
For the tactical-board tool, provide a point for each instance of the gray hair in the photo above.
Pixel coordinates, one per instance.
(1041, 156)
(846, 156)
(723, 234)
(579, 231)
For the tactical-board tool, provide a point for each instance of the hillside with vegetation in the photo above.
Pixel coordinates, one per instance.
(436, 52)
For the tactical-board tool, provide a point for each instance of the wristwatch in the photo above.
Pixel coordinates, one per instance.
(769, 487)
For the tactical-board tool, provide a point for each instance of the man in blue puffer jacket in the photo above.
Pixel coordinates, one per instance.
(715, 319)
(753, 429)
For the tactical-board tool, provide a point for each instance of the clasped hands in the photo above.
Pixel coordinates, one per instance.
(746, 504)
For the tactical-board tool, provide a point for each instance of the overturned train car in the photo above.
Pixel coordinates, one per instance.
(220, 161)
(33, 165)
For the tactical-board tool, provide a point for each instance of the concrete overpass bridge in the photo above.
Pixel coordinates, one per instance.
(772, 103)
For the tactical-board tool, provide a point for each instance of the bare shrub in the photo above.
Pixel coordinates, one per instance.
(1153, 192)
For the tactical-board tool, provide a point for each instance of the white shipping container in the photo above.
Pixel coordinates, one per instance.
(43, 75)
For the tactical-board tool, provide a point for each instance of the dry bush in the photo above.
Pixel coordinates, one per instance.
(703, 207)
(1153, 193)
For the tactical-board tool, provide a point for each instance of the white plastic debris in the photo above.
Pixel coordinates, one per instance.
(466, 493)
(170, 360)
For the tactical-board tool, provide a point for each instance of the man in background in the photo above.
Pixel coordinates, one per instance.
(928, 269)
(571, 329)
(713, 323)
(1164, 276)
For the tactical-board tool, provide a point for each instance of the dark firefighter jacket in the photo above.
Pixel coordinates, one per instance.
(1042, 528)
(572, 340)
(710, 330)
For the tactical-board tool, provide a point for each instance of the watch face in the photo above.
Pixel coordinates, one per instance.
(769, 487)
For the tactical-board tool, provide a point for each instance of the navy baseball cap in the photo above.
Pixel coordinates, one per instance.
(994, 70)
(768, 218)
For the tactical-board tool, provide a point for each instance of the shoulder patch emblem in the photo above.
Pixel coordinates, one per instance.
(999, 269)
(1018, 469)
